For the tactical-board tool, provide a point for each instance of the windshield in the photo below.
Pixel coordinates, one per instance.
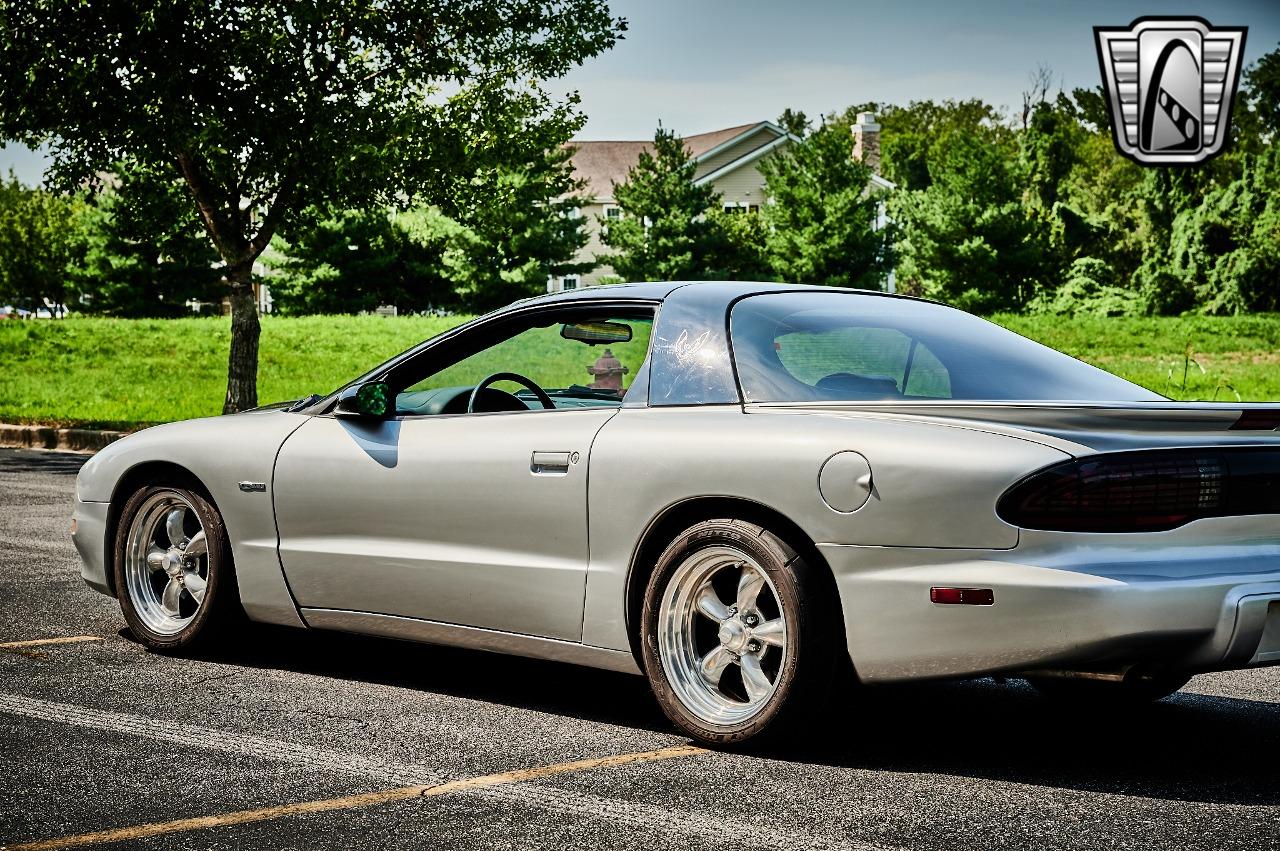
(816, 346)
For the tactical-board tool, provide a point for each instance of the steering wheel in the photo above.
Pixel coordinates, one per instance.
(509, 376)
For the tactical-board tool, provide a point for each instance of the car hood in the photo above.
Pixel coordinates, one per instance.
(213, 449)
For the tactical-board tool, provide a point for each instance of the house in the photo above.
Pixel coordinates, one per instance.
(728, 159)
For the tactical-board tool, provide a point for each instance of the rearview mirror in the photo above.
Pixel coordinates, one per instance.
(371, 400)
(596, 332)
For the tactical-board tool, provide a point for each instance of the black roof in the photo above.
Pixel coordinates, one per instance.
(659, 290)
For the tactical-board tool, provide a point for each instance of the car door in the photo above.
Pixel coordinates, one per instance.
(478, 520)
(470, 519)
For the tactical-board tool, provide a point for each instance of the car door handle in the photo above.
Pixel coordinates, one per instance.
(551, 463)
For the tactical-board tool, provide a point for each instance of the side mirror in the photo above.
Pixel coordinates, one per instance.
(371, 400)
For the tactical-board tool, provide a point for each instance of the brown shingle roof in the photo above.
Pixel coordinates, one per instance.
(602, 164)
(704, 142)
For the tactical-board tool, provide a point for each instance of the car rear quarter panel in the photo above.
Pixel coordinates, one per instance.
(1062, 600)
(933, 485)
(221, 452)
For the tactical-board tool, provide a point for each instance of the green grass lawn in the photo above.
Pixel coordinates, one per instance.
(1223, 358)
(126, 373)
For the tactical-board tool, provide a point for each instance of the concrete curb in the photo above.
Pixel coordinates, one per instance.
(48, 437)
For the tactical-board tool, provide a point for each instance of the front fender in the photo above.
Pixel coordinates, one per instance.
(220, 452)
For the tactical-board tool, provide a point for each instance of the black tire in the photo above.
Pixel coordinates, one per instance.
(219, 613)
(1136, 690)
(813, 644)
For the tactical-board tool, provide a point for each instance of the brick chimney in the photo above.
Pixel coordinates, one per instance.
(866, 140)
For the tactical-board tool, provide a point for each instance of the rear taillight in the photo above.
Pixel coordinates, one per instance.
(1145, 491)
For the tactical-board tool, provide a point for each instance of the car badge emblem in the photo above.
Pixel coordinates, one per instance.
(1170, 83)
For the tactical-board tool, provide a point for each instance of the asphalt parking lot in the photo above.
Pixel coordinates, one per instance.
(309, 740)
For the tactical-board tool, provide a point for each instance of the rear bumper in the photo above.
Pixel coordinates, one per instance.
(90, 538)
(1218, 611)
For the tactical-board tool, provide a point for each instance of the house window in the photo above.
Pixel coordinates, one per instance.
(612, 213)
(569, 282)
(741, 207)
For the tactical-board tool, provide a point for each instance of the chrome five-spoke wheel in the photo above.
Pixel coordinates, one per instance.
(722, 634)
(166, 562)
(738, 633)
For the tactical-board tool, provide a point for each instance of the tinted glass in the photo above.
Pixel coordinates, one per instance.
(815, 346)
(543, 355)
(575, 374)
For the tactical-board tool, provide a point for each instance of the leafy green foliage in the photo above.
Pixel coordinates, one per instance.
(664, 234)
(1089, 290)
(1262, 98)
(146, 252)
(1051, 218)
(909, 134)
(966, 238)
(795, 122)
(355, 261)
(528, 229)
(739, 245)
(1227, 248)
(268, 110)
(821, 219)
(40, 244)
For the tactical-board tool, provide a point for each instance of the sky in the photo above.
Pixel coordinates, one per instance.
(699, 65)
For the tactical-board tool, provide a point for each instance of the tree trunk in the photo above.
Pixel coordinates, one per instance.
(242, 364)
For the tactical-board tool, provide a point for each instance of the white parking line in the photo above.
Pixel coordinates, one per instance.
(347, 802)
(208, 738)
(527, 791)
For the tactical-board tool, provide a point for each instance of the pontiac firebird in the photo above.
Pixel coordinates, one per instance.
(764, 489)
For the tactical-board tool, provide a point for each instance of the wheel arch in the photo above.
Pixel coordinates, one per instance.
(677, 517)
(145, 473)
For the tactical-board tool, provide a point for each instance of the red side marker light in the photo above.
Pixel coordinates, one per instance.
(962, 596)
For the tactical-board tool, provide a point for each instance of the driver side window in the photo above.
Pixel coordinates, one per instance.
(578, 361)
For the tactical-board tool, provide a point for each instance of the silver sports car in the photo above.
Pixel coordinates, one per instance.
(744, 492)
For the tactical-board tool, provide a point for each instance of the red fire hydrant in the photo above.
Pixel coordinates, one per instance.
(608, 371)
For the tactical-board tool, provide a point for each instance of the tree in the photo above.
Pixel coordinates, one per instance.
(664, 234)
(737, 249)
(40, 244)
(271, 109)
(795, 122)
(822, 212)
(909, 133)
(1039, 81)
(146, 253)
(1262, 92)
(966, 238)
(529, 229)
(1226, 249)
(357, 260)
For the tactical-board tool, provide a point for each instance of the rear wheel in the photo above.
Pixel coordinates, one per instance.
(172, 567)
(1133, 690)
(737, 640)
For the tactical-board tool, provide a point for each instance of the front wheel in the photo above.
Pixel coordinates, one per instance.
(172, 567)
(738, 640)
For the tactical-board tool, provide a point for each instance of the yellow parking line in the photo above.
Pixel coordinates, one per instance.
(367, 799)
(70, 639)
